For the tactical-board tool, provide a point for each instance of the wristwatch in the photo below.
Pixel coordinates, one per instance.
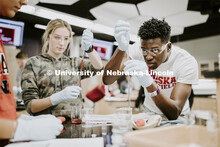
(155, 93)
(90, 49)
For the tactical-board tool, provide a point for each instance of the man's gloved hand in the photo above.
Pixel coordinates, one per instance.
(140, 67)
(122, 35)
(69, 93)
(86, 40)
(37, 128)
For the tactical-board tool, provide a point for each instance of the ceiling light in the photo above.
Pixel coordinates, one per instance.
(187, 18)
(33, 2)
(103, 29)
(162, 8)
(73, 20)
(39, 26)
(43, 27)
(115, 43)
(136, 22)
(61, 2)
(176, 30)
(28, 9)
(52, 14)
(109, 12)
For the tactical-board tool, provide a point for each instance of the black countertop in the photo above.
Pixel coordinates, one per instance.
(86, 131)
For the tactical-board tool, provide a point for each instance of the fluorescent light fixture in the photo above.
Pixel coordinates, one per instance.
(52, 14)
(28, 9)
(115, 43)
(176, 30)
(110, 31)
(73, 20)
(136, 22)
(61, 2)
(110, 12)
(39, 26)
(187, 18)
(43, 27)
(103, 29)
(162, 8)
(33, 2)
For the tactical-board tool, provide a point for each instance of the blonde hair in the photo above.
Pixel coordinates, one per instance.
(51, 27)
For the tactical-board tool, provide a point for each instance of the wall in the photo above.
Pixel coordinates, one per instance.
(31, 46)
(11, 52)
(203, 49)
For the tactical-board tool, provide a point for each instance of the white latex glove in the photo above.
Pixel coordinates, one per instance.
(40, 128)
(69, 93)
(86, 40)
(28, 117)
(140, 67)
(16, 89)
(122, 35)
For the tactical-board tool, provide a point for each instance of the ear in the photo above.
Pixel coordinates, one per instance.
(169, 46)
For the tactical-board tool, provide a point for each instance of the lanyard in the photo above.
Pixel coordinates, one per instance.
(2, 43)
(2, 48)
(3, 51)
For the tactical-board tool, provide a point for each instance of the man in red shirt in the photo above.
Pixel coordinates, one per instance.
(25, 127)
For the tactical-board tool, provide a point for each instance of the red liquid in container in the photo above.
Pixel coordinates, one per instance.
(76, 121)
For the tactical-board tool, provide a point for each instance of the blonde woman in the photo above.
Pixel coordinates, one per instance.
(44, 89)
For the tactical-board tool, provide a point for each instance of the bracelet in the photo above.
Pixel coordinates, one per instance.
(90, 49)
(155, 93)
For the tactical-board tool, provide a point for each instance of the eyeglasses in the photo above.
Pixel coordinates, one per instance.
(59, 38)
(154, 51)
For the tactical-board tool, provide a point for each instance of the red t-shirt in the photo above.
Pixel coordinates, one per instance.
(7, 101)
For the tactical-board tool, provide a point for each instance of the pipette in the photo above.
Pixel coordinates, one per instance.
(81, 66)
(129, 79)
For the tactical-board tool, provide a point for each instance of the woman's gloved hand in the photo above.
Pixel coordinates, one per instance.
(86, 41)
(69, 93)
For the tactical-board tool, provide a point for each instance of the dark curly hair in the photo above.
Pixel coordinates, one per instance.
(155, 28)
